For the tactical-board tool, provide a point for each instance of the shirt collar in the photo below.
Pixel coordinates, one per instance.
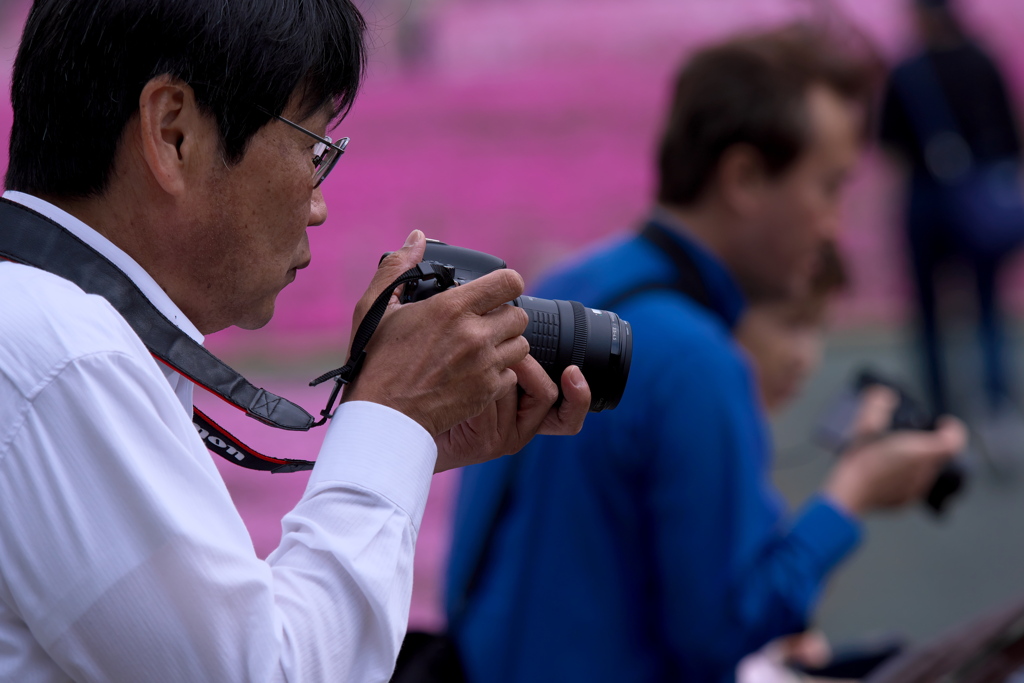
(726, 296)
(156, 295)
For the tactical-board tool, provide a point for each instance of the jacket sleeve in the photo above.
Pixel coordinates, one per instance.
(733, 570)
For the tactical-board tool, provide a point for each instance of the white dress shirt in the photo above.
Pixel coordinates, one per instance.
(122, 557)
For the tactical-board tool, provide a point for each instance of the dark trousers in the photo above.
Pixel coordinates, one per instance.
(932, 242)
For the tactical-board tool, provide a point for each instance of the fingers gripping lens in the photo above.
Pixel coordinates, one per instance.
(561, 333)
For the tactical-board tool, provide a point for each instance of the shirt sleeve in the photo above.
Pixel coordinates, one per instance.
(125, 559)
(734, 570)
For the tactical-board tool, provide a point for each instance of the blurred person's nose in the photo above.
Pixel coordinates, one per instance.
(808, 352)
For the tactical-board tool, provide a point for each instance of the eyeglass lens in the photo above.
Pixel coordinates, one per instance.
(325, 159)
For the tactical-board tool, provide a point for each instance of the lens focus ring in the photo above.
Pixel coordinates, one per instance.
(598, 342)
(579, 340)
(544, 337)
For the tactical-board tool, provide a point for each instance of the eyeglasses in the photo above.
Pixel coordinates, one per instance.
(326, 152)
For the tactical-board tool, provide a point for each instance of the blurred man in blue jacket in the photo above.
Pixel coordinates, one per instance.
(653, 547)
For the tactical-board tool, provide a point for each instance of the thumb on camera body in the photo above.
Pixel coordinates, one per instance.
(390, 269)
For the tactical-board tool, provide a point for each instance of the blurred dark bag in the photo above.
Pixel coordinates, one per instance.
(428, 658)
(987, 210)
(988, 649)
(982, 200)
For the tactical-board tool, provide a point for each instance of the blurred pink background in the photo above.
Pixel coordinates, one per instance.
(526, 129)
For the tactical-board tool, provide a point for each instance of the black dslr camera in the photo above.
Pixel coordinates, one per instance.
(561, 333)
(834, 432)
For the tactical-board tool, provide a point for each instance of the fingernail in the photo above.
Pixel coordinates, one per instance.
(576, 377)
(413, 238)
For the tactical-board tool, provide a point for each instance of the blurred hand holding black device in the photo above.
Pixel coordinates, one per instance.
(835, 431)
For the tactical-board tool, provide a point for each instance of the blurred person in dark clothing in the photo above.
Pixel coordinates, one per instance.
(655, 547)
(946, 113)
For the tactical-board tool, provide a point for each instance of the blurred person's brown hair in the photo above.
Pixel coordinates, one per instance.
(751, 90)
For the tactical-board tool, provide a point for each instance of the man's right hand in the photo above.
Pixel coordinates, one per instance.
(445, 359)
(882, 470)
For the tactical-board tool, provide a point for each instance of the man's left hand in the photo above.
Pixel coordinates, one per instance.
(509, 423)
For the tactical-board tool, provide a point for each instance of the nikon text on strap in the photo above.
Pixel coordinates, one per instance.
(31, 239)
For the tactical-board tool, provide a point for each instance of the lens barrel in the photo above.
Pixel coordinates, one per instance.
(600, 343)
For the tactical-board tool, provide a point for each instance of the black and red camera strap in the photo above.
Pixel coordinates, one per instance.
(32, 239)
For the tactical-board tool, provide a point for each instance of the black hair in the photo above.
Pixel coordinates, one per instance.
(81, 67)
(749, 90)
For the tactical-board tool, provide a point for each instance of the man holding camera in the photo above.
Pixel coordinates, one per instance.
(654, 547)
(184, 142)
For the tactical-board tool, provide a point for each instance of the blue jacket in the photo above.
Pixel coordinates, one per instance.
(651, 547)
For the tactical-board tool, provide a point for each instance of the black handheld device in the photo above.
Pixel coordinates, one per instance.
(834, 431)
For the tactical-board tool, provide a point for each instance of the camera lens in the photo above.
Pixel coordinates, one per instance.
(600, 343)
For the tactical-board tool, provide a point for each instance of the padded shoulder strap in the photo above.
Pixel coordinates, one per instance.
(688, 280)
(31, 239)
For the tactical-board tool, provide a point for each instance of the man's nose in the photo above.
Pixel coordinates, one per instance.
(317, 208)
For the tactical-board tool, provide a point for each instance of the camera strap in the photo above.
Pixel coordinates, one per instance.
(31, 239)
(688, 280)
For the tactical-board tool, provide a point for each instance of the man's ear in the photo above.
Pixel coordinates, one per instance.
(172, 131)
(741, 177)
